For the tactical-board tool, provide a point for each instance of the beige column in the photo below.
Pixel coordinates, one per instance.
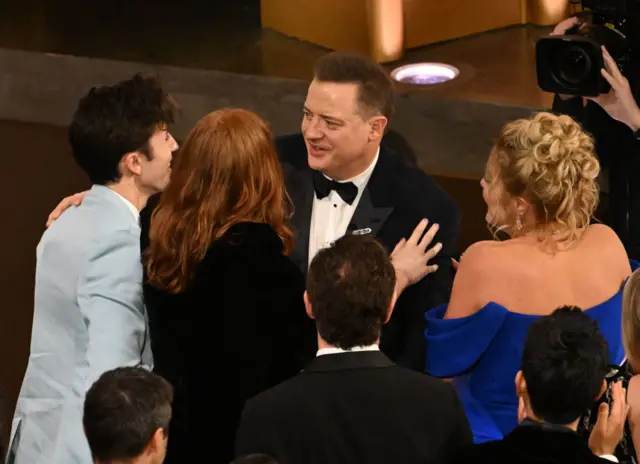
(386, 29)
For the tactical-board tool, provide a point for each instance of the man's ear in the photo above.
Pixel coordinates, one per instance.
(392, 305)
(307, 305)
(378, 126)
(130, 163)
(158, 443)
(521, 384)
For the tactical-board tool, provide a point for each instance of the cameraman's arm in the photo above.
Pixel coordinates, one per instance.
(569, 105)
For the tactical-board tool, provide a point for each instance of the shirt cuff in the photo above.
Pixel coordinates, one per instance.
(609, 457)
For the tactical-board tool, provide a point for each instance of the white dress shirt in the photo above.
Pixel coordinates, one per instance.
(132, 208)
(331, 215)
(334, 350)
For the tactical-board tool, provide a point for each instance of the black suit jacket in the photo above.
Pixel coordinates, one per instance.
(532, 444)
(397, 197)
(240, 328)
(355, 408)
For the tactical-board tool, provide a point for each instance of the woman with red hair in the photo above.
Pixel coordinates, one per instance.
(225, 303)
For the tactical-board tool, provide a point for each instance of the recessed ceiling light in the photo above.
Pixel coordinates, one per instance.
(425, 73)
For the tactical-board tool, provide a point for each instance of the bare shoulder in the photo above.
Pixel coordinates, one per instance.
(602, 242)
(486, 254)
(604, 233)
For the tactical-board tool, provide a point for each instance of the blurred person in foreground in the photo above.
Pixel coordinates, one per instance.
(126, 417)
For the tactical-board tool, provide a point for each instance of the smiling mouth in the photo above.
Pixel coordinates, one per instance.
(317, 148)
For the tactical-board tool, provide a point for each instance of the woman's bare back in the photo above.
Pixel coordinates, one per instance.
(524, 277)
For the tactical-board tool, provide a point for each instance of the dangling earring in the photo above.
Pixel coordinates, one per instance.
(518, 222)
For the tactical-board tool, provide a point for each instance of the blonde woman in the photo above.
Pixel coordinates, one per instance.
(541, 191)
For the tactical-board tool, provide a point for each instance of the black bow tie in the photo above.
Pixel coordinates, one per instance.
(323, 186)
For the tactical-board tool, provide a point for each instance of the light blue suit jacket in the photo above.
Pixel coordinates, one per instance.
(89, 317)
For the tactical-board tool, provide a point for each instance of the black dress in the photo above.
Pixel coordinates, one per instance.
(239, 328)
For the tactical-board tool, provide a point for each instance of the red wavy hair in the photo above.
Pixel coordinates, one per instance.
(226, 172)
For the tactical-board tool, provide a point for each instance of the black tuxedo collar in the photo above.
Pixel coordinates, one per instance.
(374, 207)
(545, 444)
(376, 202)
(349, 361)
(300, 188)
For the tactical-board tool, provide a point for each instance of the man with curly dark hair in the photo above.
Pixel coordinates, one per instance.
(89, 315)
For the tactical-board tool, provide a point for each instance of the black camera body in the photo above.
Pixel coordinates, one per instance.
(571, 64)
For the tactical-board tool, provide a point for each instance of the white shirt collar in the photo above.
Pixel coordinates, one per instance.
(132, 208)
(361, 179)
(334, 350)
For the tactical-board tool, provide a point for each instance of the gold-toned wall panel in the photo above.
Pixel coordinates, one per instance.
(429, 21)
(335, 24)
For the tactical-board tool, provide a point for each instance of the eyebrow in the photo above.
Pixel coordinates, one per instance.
(326, 117)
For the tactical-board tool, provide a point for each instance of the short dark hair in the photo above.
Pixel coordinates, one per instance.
(123, 409)
(350, 286)
(376, 93)
(111, 121)
(564, 362)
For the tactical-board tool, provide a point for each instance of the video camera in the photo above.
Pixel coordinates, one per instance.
(570, 64)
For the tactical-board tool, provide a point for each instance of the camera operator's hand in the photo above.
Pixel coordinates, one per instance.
(619, 103)
(609, 428)
(563, 26)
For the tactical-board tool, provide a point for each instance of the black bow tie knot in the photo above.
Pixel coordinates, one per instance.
(323, 186)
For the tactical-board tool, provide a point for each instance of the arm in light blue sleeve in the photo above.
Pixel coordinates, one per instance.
(111, 303)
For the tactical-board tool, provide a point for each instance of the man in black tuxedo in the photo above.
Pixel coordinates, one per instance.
(343, 179)
(564, 363)
(352, 404)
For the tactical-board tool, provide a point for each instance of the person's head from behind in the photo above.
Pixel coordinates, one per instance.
(348, 107)
(564, 363)
(541, 177)
(351, 291)
(120, 133)
(126, 416)
(631, 320)
(227, 172)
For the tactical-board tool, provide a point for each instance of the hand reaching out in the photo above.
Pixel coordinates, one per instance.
(411, 257)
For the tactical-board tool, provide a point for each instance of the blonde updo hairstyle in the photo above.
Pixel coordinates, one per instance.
(549, 162)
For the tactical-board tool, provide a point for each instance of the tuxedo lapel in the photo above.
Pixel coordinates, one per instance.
(300, 188)
(375, 205)
(367, 219)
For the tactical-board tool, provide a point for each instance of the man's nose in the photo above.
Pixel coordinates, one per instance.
(174, 144)
(312, 131)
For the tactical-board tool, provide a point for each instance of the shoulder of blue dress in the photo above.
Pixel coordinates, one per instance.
(634, 264)
(491, 309)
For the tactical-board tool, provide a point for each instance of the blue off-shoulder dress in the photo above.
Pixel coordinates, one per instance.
(482, 353)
